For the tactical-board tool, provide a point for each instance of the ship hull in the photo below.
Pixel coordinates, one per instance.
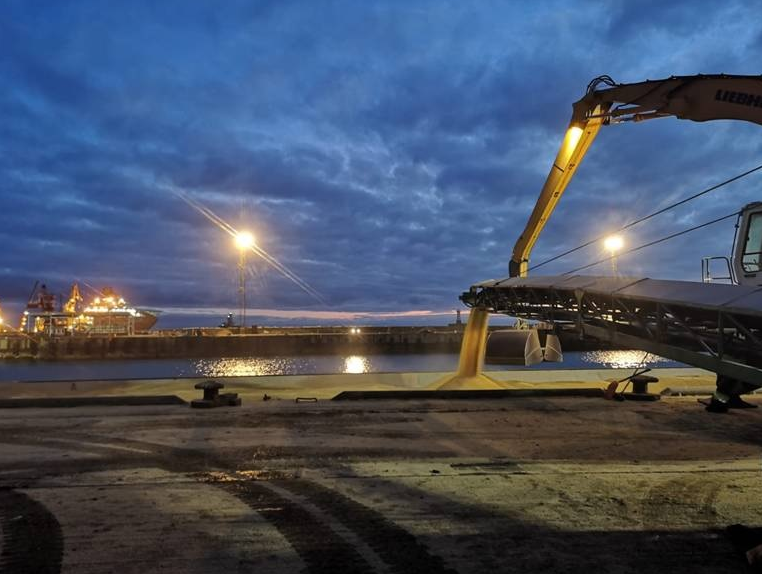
(144, 321)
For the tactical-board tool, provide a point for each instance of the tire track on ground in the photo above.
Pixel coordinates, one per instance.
(399, 549)
(32, 541)
(330, 532)
(320, 547)
(678, 498)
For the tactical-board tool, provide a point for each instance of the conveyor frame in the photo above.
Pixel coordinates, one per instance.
(711, 326)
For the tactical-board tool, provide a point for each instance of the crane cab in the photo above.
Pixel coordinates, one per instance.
(743, 267)
(746, 252)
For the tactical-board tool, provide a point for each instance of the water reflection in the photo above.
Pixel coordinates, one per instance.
(279, 366)
(283, 365)
(623, 358)
(356, 365)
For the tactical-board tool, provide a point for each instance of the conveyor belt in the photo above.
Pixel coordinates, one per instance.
(712, 326)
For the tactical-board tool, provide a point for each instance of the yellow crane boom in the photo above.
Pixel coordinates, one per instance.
(698, 98)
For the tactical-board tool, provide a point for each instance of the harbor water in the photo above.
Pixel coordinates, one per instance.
(27, 371)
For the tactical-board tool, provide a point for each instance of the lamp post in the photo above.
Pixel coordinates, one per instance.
(244, 242)
(613, 244)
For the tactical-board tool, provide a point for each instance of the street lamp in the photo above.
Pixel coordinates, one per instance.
(244, 242)
(613, 244)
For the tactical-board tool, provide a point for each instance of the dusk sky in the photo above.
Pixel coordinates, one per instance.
(388, 152)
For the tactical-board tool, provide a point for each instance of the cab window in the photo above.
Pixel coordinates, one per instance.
(751, 258)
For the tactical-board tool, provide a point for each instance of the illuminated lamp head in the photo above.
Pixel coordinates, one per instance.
(613, 243)
(244, 240)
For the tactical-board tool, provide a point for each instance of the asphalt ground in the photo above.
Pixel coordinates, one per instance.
(503, 485)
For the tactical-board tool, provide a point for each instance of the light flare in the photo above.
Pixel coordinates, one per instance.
(254, 248)
(613, 243)
(356, 365)
(244, 240)
(572, 136)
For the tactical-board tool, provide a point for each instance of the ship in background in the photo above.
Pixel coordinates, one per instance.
(107, 314)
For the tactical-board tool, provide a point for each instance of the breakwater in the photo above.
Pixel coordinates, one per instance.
(214, 343)
(201, 346)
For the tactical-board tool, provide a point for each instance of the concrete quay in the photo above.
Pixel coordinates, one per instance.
(326, 386)
(514, 485)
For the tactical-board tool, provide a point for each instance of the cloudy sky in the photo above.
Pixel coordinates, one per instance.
(388, 152)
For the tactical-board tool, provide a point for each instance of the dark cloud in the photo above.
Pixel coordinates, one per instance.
(388, 153)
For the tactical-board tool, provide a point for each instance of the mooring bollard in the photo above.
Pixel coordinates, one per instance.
(212, 397)
(639, 391)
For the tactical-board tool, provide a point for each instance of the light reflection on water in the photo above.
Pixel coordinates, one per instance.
(284, 365)
(622, 358)
(357, 365)
(219, 367)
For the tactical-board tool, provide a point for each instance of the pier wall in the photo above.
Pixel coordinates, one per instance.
(195, 343)
(122, 347)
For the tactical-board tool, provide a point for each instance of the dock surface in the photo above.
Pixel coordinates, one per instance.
(505, 485)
